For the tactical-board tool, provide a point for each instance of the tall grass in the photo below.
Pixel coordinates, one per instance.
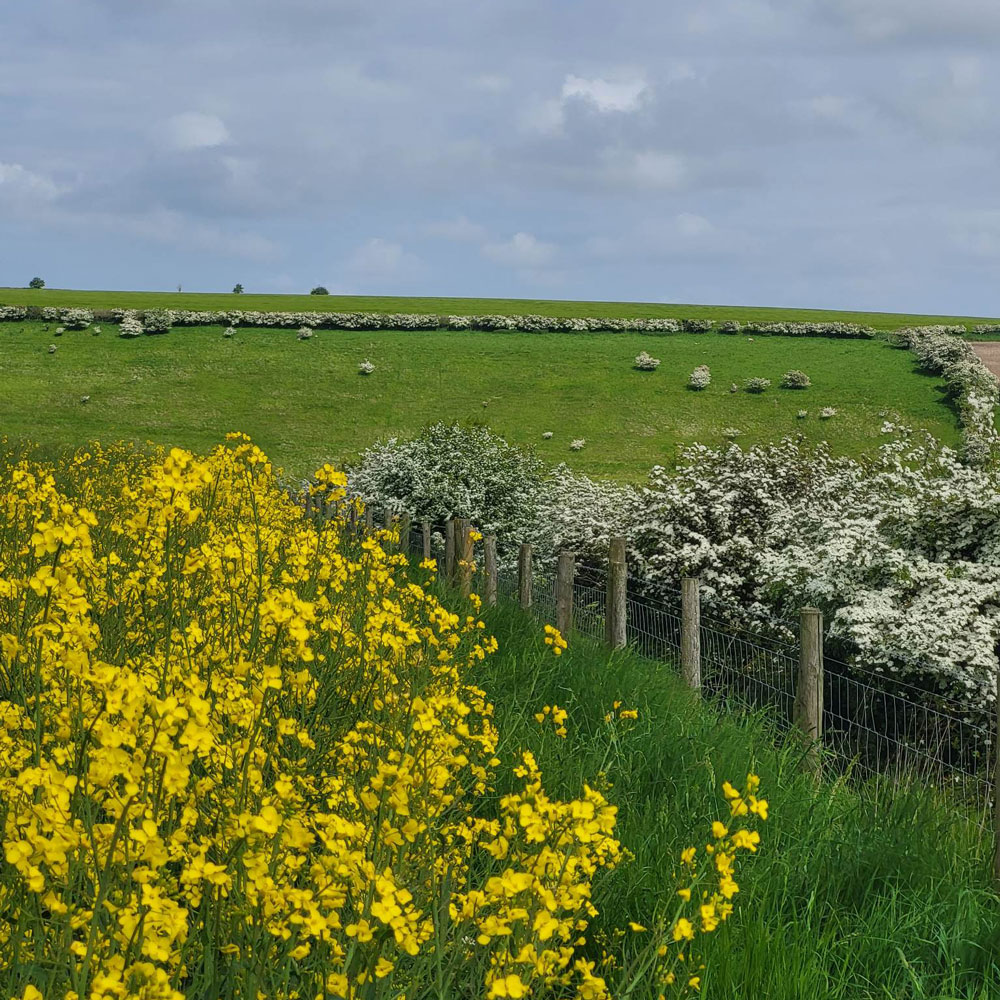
(859, 890)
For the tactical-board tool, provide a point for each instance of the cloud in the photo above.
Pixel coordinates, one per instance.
(598, 94)
(194, 130)
(522, 251)
(380, 260)
(458, 230)
(690, 224)
(933, 20)
(19, 184)
(646, 169)
(606, 95)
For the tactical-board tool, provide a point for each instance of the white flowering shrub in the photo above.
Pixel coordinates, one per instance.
(730, 326)
(756, 385)
(802, 414)
(53, 348)
(305, 333)
(992, 329)
(971, 385)
(815, 329)
(76, 319)
(901, 551)
(456, 471)
(731, 432)
(700, 378)
(13, 314)
(365, 367)
(229, 331)
(546, 435)
(646, 362)
(696, 325)
(827, 412)
(157, 321)
(794, 379)
(130, 325)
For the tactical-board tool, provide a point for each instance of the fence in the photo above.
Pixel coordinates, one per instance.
(850, 720)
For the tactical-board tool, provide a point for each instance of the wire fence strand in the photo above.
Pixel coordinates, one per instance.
(873, 725)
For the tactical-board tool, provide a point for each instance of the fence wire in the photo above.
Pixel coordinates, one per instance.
(873, 724)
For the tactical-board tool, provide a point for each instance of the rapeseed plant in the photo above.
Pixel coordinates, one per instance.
(242, 755)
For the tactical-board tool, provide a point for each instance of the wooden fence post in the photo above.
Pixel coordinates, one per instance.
(565, 570)
(449, 549)
(425, 531)
(389, 518)
(808, 711)
(309, 505)
(615, 607)
(691, 633)
(466, 555)
(524, 575)
(490, 569)
(369, 519)
(404, 533)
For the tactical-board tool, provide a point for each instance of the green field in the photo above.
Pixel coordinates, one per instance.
(457, 306)
(305, 403)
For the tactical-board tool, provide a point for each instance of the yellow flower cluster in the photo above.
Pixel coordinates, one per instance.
(706, 891)
(241, 755)
(558, 716)
(554, 639)
(617, 712)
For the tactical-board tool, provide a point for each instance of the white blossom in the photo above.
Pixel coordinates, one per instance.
(700, 377)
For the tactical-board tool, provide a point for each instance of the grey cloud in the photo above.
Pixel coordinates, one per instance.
(835, 152)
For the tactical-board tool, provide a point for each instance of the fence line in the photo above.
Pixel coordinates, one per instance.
(851, 720)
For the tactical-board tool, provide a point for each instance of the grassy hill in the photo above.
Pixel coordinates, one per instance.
(456, 306)
(305, 403)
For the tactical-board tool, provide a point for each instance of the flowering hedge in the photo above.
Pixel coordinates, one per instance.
(971, 384)
(901, 550)
(491, 322)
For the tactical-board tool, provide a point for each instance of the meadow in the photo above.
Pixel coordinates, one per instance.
(460, 306)
(305, 403)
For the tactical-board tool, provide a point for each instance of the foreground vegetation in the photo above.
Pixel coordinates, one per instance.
(241, 757)
(458, 306)
(305, 402)
(858, 892)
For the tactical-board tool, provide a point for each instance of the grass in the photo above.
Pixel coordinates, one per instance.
(864, 893)
(304, 402)
(455, 306)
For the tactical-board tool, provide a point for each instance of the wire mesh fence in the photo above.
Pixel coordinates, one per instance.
(871, 725)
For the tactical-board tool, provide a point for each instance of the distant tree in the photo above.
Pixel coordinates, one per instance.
(178, 288)
(237, 289)
(36, 283)
(319, 290)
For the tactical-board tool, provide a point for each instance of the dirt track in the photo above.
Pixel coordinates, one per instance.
(989, 354)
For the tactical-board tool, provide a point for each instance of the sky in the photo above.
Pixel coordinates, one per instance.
(816, 153)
